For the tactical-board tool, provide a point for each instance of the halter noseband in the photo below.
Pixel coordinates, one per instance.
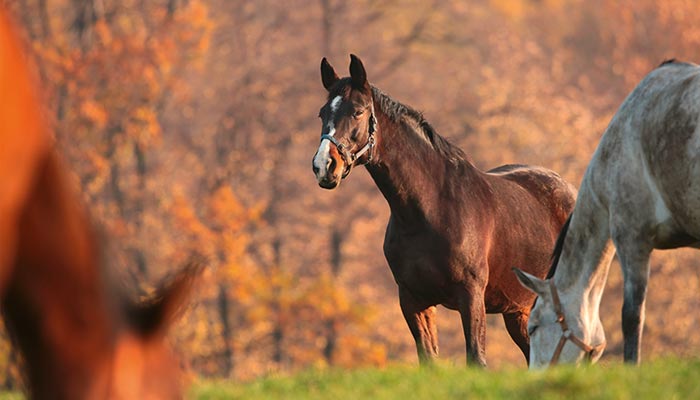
(350, 158)
(567, 334)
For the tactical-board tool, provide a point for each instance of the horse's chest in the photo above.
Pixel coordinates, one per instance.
(418, 261)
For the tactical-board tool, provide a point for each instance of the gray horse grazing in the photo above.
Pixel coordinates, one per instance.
(640, 192)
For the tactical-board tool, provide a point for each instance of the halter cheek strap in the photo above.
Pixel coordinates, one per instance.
(350, 158)
(566, 334)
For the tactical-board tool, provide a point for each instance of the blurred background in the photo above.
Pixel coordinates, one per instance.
(190, 125)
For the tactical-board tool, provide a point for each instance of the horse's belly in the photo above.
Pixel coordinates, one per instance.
(669, 236)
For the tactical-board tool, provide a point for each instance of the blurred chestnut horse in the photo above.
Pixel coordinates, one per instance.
(81, 338)
(454, 231)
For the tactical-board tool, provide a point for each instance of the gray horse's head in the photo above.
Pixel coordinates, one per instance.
(563, 328)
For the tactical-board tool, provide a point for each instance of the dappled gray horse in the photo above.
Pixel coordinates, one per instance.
(641, 192)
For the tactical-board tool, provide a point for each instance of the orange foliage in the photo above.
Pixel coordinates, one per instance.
(192, 128)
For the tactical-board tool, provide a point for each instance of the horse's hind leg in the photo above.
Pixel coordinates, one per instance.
(516, 324)
(420, 318)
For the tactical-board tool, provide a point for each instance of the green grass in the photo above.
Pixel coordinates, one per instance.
(661, 379)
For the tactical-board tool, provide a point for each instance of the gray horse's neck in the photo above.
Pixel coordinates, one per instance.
(585, 259)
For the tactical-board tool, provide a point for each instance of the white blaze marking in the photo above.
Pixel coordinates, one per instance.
(323, 155)
(334, 107)
(334, 104)
(331, 128)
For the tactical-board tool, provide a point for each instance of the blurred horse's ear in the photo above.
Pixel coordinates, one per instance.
(328, 75)
(531, 282)
(357, 72)
(153, 316)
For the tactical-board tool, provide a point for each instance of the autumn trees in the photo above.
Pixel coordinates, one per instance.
(135, 91)
(190, 125)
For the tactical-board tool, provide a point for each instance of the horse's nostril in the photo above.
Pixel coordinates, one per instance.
(331, 164)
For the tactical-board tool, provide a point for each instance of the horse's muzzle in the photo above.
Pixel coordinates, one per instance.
(329, 183)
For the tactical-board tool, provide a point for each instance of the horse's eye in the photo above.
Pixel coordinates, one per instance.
(531, 329)
(358, 113)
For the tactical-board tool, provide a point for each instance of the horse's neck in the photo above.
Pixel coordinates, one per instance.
(585, 259)
(57, 288)
(410, 173)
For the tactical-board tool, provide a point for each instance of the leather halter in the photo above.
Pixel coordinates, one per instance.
(350, 158)
(567, 334)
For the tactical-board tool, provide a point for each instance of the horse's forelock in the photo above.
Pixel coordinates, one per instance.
(341, 88)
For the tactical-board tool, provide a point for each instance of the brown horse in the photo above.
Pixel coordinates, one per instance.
(81, 338)
(454, 231)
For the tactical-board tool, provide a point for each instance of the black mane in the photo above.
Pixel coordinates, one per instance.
(558, 247)
(673, 61)
(398, 112)
(669, 61)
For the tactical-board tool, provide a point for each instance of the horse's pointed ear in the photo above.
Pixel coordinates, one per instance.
(357, 72)
(328, 75)
(531, 282)
(153, 316)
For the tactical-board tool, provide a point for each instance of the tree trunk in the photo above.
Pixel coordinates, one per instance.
(226, 331)
(331, 323)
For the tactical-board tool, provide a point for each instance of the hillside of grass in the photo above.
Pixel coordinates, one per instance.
(660, 379)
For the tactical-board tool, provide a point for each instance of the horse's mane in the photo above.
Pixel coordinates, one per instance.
(558, 247)
(556, 254)
(673, 61)
(397, 112)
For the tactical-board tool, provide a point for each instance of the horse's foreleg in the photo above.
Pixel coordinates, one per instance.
(635, 269)
(516, 324)
(420, 318)
(473, 313)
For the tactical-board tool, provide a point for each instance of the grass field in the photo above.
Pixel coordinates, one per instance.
(661, 379)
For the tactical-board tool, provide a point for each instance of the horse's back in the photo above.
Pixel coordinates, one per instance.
(671, 145)
(547, 186)
(647, 165)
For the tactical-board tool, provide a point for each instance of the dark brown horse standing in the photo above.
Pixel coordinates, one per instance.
(455, 232)
(80, 336)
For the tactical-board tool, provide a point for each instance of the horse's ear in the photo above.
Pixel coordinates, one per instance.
(357, 72)
(531, 282)
(153, 316)
(328, 75)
